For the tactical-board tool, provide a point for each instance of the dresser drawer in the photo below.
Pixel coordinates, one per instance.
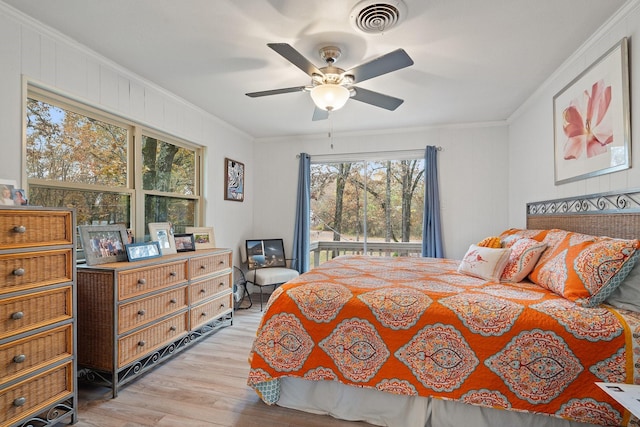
(139, 312)
(146, 340)
(204, 265)
(32, 269)
(207, 288)
(26, 312)
(210, 310)
(31, 396)
(29, 354)
(142, 280)
(29, 228)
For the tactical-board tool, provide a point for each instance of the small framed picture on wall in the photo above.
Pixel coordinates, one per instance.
(233, 180)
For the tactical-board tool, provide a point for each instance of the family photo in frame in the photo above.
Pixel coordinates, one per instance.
(203, 237)
(162, 232)
(141, 251)
(185, 242)
(103, 243)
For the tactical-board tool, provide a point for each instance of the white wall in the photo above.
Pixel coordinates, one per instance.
(472, 178)
(56, 62)
(531, 145)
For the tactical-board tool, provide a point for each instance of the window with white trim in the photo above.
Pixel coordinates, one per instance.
(111, 170)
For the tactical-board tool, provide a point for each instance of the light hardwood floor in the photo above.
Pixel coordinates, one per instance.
(204, 385)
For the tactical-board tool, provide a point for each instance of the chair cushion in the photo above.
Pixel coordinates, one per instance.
(271, 276)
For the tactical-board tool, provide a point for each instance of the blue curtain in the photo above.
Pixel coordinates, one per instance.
(302, 227)
(431, 233)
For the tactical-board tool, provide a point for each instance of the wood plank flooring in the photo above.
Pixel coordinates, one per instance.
(202, 386)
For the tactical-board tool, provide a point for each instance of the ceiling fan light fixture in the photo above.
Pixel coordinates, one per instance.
(330, 97)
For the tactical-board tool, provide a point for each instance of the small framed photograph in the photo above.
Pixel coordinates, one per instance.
(19, 197)
(103, 243)
(7, 187)
(162, 232)
(185, 242)
(140, 251)
(203, 237)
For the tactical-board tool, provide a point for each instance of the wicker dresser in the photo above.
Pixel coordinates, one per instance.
(37, 306)
(133, 315)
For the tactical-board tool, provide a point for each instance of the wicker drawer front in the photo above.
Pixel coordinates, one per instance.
(207, 288)
(142, 280)
(205, 265)
(33, 269)
(28, 354)
(26, 228)
(146, 340)
(137, 313)
(27, 312)
(29, 397)
(210, 310)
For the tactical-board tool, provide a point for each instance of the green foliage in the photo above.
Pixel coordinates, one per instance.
(394, 199)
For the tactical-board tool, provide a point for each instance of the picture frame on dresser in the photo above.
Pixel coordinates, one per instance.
(103, 243)
(204, 237)
(185, 242)
(144, 250)
(162, 232)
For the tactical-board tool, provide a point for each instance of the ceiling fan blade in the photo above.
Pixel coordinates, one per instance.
(320, 114)
(375, 98)
(384, 64)
(276, 91)
(293, 56)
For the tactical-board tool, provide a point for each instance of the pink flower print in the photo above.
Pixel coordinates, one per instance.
(588, 123)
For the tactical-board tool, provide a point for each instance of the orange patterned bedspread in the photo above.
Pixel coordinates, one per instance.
(415, 326)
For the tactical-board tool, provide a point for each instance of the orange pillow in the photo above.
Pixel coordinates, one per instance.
(582, 268)
(490, 242)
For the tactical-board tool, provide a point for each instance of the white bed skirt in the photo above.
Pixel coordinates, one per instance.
(385, 409)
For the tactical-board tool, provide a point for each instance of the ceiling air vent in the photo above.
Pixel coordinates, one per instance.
(375, 16)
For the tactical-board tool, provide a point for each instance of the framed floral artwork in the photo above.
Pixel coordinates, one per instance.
(233, 180)
(591, 119)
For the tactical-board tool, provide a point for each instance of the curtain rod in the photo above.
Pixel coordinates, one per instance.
(368, 153)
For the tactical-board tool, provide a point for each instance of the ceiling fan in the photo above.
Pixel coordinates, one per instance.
(331, 86)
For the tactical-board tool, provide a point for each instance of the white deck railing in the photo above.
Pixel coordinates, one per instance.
(324, 251)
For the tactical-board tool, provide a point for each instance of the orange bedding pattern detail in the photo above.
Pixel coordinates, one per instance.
(415, 326)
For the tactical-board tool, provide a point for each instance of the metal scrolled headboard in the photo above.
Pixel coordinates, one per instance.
(614, 214)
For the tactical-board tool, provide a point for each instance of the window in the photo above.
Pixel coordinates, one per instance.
(371, 204)
(79, 157)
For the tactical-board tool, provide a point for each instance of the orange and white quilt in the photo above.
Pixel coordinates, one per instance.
(415, 326)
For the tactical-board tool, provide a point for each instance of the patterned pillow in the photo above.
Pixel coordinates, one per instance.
(512, 235)
(582, 268)
(524, 256)
(484, 263)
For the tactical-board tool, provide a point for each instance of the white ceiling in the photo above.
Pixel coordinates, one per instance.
(474, 61)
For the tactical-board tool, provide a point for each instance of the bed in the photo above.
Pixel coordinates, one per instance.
(515, 334)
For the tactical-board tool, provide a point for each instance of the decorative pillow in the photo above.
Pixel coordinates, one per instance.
(627, 295)
(511, 235)
(582, 268)
(485, 263)
(490, 242)
(524, 256)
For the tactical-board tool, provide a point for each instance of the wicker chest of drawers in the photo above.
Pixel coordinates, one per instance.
(134, 315)
(37, 308)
